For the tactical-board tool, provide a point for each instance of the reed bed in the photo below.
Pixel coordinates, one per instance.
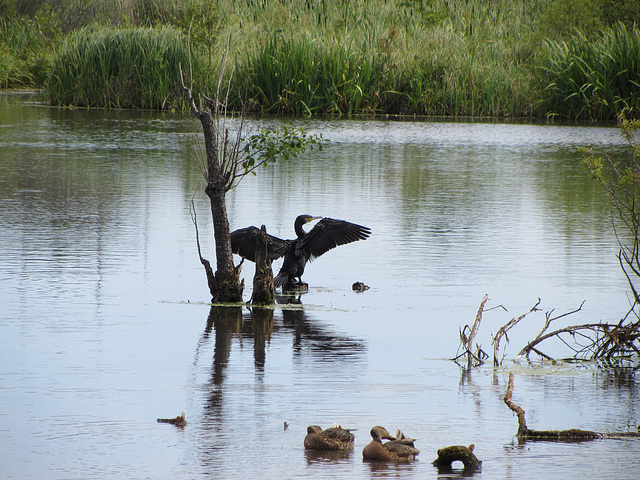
(119, 68)
(423, 58)
(24, 54)
(411, 57)
(594, 79)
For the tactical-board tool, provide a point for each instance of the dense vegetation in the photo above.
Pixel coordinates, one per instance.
(576, 59)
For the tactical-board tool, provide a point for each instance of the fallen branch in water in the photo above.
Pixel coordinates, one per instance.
(179, 421)
(591, 341)
(502, 332)
(466, 340)
(571, 435)
(611, 343)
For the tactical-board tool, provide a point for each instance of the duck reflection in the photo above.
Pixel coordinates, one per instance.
(327, 456)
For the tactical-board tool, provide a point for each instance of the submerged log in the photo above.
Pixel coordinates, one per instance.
(448, 455)
(179, 421)
(570, 435)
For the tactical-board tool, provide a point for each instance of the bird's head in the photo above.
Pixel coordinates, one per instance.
(314, 429)
(302, 219)
(379, 433)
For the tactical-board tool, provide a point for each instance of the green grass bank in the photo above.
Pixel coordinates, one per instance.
(573, 59)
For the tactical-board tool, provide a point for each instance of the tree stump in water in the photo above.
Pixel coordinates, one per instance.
(448, 455)
(263, 289)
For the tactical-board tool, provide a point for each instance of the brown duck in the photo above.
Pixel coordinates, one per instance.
(398, 449)
(333, 438)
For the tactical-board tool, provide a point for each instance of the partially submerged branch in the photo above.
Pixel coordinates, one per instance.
(205, 263)
(502, 332)
(613, 343)
(571, 435)
(591, 341)
(477, 357)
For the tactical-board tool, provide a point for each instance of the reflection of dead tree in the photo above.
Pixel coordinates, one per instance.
(467, 336)
(591, 341)
(571, 435)
(503, 333)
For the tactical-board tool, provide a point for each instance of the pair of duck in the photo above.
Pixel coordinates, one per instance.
(397, 449)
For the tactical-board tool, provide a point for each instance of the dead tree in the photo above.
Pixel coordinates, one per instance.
(221, 164)
(611, 343)
(263, 289)
(230, 156)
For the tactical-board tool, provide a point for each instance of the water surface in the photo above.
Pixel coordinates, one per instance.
(106, 325)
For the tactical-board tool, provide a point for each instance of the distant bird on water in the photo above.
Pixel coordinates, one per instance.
(327, 234)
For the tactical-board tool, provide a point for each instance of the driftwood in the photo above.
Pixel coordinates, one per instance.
(468, 335)
(502, 332)
(611, 343)
(179, 421)
(571, 435)
(448, 455)
(592, 341)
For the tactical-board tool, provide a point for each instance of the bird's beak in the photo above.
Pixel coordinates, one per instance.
(313, 218)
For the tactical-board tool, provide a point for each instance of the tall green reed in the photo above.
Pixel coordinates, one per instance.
(594, 79)
(410, 57)
(24, 53)
(132, 68)
(301, 75)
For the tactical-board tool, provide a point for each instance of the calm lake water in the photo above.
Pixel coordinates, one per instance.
(105, 322)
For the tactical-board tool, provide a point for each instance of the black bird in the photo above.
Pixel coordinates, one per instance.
(327, 234)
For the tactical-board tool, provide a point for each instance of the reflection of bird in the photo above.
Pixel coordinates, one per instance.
(398, 449)
(327, 234)
(334, 438)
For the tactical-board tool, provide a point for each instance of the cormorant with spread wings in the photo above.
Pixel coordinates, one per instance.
(327, 234)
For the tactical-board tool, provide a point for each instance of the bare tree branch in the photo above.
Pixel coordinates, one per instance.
(502, 332)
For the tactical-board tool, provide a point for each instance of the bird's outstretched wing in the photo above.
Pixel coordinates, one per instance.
(330, 233)
(244, 242)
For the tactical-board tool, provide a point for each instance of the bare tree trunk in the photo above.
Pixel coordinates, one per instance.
(225, 286)
(263, 289)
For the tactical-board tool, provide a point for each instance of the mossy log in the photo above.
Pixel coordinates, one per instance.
(448, 455)
(570, 435)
